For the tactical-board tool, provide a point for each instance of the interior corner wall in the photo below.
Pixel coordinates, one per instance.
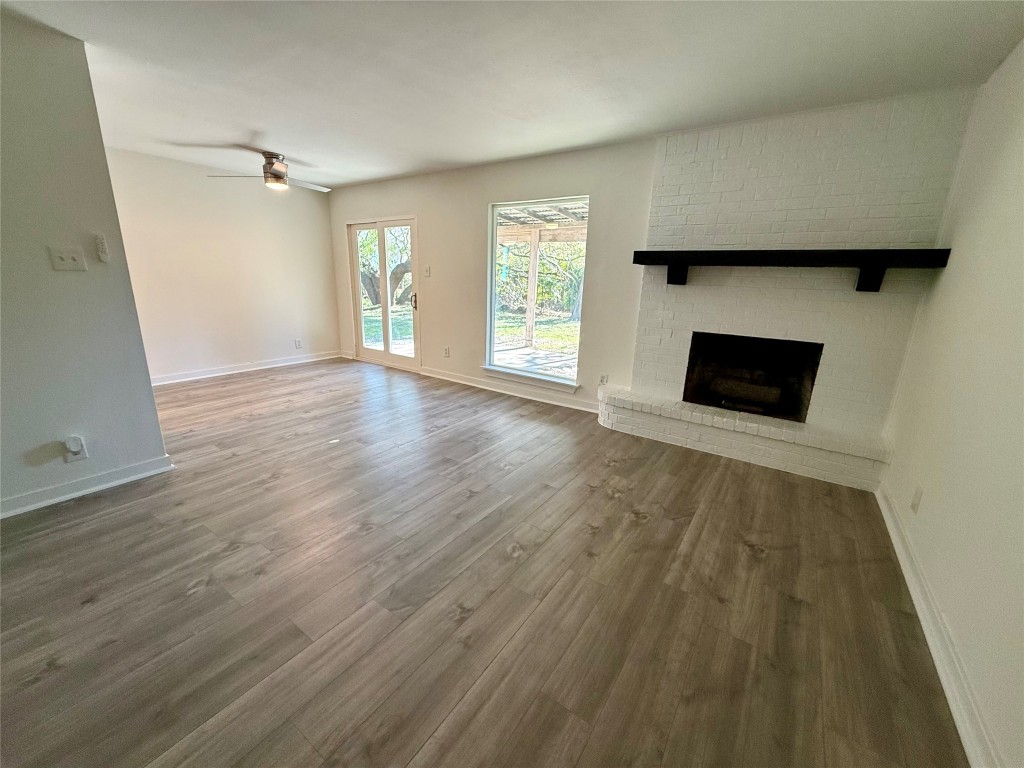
(73, 362)
(228, 274)
(958, 430)
(451, 212)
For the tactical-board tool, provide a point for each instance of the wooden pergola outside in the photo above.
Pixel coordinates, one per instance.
(536, 224)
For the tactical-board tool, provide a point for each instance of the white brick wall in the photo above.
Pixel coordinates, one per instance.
(864, 334)
(796, 448)
(874, 174)
(868, 175)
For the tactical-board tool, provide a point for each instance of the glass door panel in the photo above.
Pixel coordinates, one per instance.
(370, 306)
(385, 290)
(398, 252)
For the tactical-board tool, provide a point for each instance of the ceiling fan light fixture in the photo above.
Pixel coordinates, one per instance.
(275, 182)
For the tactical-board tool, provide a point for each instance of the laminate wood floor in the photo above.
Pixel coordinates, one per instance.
(355, 566)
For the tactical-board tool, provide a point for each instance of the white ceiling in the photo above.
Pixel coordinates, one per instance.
(367, 90)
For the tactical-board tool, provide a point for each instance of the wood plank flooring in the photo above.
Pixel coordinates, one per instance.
(355, 566)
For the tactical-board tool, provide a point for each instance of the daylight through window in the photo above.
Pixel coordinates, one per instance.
(537, 263)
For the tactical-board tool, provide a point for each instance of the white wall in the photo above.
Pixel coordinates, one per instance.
(73, 360)
(227, 273)
(452, 232)
(959, 432)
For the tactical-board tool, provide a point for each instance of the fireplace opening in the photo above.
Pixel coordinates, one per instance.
(772, 377)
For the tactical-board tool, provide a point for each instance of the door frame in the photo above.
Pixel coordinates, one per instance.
(383, 357)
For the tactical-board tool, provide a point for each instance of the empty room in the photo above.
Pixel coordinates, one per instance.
(512, 384)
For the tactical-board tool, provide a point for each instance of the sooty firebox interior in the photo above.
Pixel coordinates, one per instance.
(773, 377)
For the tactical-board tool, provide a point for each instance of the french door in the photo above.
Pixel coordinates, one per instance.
(384, 283)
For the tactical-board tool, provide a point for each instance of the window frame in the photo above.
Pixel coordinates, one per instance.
(516, 374)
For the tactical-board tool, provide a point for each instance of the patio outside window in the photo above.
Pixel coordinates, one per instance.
(536, 286)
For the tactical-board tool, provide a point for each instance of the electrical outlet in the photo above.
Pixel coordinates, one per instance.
(74, 449)
(915, 502)
(447, 351)
(604, 378)
(298, 343)
(70, 259)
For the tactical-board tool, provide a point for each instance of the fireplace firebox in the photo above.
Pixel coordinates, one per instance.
(772, 377)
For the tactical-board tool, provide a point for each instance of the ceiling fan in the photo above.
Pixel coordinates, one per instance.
(275, 169)
(275, 173)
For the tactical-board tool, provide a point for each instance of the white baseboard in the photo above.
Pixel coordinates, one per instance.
(963, 703)
(55, 494)
(208, 373)
(544, 395)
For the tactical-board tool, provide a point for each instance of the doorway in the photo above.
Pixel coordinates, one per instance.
(384, 283)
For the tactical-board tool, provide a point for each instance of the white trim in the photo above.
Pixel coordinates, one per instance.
(207, 373)
(385, 220)
(526, 377)
(389, 360)
(551, 398)
(26, 502)
(963, 703)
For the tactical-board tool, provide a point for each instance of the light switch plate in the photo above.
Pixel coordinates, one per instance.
(71, 259)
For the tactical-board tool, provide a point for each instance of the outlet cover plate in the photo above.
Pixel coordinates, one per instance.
(70, 259)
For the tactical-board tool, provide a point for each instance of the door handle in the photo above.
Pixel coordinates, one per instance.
(414, 302)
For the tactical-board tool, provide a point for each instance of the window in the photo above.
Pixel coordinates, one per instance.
(538, 255)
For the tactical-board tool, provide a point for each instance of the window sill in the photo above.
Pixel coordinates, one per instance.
(536, 379)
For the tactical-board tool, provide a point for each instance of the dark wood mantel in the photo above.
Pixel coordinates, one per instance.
(872, 262)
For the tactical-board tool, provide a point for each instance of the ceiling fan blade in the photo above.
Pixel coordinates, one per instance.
(307, 185)
(292, 182)
(194, 145)
(244, 147)
(287, 158)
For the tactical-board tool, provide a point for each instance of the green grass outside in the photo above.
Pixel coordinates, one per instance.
(401, 325)
(552, 332)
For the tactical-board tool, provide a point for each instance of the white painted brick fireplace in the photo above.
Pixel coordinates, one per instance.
(866, 175)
